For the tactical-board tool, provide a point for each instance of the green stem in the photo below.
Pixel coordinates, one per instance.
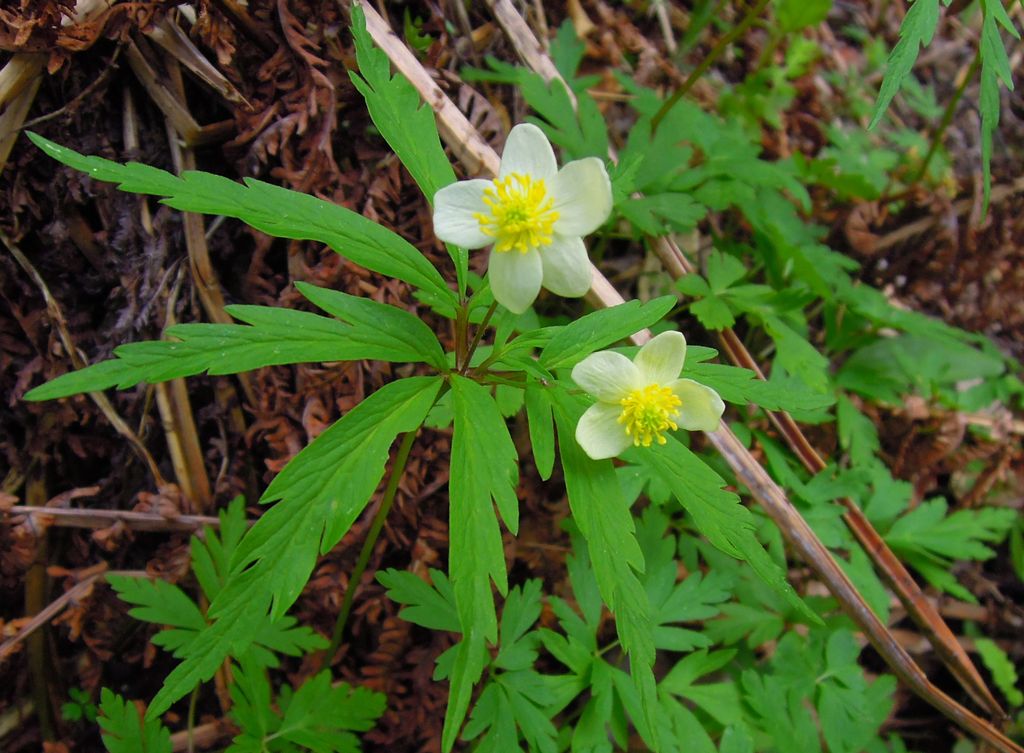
(190, 744)
(947, 118)
(712, 56)
(376, 527)
(477, 335)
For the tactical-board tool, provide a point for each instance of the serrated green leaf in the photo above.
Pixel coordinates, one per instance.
(484, 472)
(211, 554)
(718, 514)
(275, 211)
(1004, 673)
(321, 491)
(795, 15)
(160, 602)
(917, 30)
(430, 606)
(603, 517)
(405, 123)
(601, 328)
(270, 337)
(124, 730)
(396, 332)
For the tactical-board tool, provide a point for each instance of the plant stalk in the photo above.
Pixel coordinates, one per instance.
(477, 335)
(712, 56)
(401, 457)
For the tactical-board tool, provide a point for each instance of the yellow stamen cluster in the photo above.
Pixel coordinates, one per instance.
(521, 216)
(648, 412)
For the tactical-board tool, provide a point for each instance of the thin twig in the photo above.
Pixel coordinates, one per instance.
(63, 517)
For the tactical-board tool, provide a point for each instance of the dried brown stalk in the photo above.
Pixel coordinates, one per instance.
(63, 517)
(77, 592)
(747, 469)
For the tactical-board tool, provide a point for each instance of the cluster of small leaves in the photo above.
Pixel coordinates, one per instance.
(917, 31)
(549, 689)
(315, 717)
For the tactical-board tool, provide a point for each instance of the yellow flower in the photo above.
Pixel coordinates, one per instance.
(640, 401)
(533, 215)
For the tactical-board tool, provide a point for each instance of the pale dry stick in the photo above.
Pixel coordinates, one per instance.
(746, 468)
(896, 574)
(64, 517)
(43, 617)
(172, 399)
(175, 42)
(13, 118)
(79, 362)
(203, 274)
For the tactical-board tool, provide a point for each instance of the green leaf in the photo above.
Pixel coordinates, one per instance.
(542, 433)
(601, 328)
(604, 519)
(277, 336)
(1004, 673)
(321, 717)
(430, 606)
(719, 515)
(857, 434)
(661, 213)
(160, 602)
(325, 487)
(405, 123)
(917, 30)
(930, 540)
(742, 386)
(995, 67)
(484, 472)
(795, 15)
(275, 211)
(212, 553)
(321, 491)
(125, 731)
(398, 334)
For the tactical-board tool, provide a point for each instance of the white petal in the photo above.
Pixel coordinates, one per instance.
(599, 432)
(528, 151)
(567, 270)
(702, 407)
(454, 208)
(515, 278)
(661, 359)
(583, 197)
(607, 375)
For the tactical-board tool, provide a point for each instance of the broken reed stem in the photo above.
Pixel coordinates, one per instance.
(757, 480)
(376, 526)
(63, 517)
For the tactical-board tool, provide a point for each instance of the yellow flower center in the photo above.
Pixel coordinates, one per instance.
(648, 412)
(520, 216)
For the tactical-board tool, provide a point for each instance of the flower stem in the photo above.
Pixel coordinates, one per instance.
(477, 335)
(712, 56)
(401, 457)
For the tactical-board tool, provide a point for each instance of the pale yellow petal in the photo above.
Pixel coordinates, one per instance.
(599, 432)
(661, 359)
(515, 278)
(583, 197)
(607, 375)
(701, 408)
(528, 152)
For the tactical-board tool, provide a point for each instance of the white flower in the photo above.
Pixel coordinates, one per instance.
(534, 214)
(638, 401)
